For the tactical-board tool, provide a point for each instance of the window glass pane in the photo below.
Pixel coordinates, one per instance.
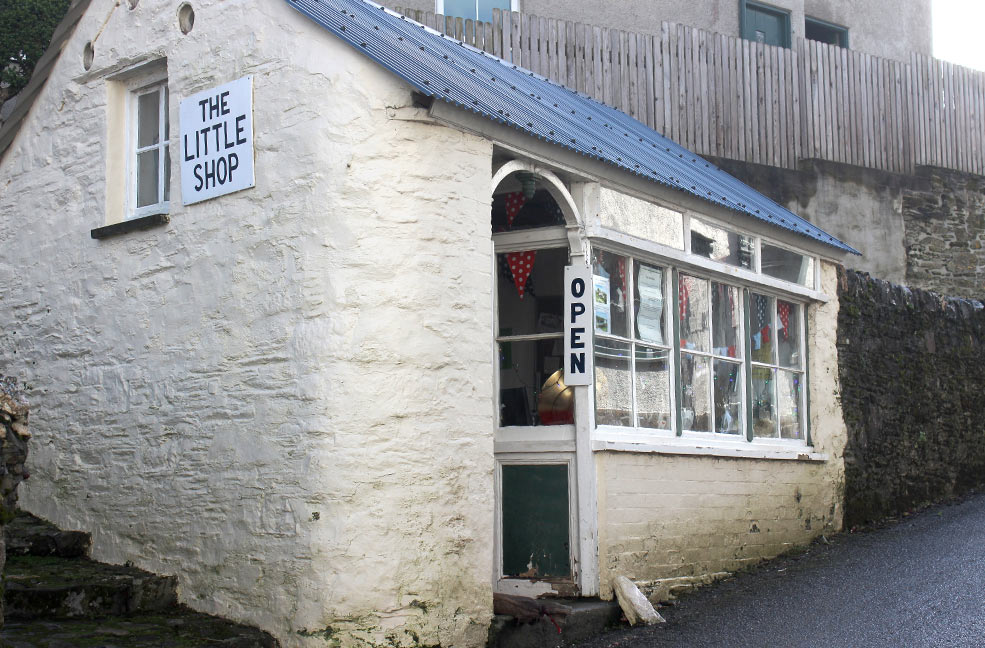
(529, 388)
(649, 303)
(789, 385)
(763, 402)
(728, 397)
(693, 306)
(721, 245)
(486, 7)
(653, 387)
(695, 393)
(761, 328)
(788, 334)
(463, 8)
(789, 266)
(609, 284)
(641, 219)
(167, 173)
(726, 315)
(538, 308)
(535, 529)
(512, 210)
(148, 113)
(613, 398)
(147, 174)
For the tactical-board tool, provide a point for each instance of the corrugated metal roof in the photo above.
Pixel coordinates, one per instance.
(442, 67)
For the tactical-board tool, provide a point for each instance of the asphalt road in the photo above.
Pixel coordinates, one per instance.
(917, 583)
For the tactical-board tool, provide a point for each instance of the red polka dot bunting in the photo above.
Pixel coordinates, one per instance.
(514, 202)
(521, 264)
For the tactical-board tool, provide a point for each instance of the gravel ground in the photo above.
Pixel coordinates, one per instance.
(920, 582)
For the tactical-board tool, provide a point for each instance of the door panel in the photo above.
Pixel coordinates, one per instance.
(536, 521)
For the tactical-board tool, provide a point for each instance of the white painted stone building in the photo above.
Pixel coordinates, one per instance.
(322, 402)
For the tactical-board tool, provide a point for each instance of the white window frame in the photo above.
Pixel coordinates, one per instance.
(136, 89)
(439, 7)
(610, 437)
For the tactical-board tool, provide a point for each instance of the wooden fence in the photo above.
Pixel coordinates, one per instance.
(724, 96)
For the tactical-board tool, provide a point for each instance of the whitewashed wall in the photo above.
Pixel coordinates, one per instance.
(284, 396)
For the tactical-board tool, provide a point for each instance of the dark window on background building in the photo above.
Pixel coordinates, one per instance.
(819, 30)
(764, 24)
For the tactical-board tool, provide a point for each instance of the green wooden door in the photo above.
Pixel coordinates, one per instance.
(536, 526)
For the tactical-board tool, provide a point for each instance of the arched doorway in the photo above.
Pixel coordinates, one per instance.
(539, 528)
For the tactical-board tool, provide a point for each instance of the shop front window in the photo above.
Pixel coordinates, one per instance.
(741, 375)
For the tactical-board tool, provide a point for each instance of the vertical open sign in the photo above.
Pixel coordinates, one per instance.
(578, 325)
(217, 141)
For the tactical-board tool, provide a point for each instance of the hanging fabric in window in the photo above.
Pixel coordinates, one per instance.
(783, 310)
(521, 264)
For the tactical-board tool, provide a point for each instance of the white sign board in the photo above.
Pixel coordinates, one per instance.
(578, 317)
(217, 141)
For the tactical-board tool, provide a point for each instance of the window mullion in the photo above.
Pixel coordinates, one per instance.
(160, 146)
(675, 309)
(775, 337)
(630, 333)
(711, 354)
(747, 349)
(805, 400)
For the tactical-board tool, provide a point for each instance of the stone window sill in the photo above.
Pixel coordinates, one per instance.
(133, 225)
(701, 448)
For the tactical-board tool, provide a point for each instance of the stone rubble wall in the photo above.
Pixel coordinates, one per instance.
(945, 234)
(912, 370)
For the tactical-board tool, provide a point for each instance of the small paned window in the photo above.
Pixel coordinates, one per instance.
(762, 23)
(787, 265)
(632, 347)
(480, 10)
(777, 353)
(711, 355)
(825, 32)
(150, 159)
(724, 246)
(531, 338)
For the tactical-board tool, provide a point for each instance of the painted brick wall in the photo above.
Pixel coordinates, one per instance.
(277, 396)
(912, 365)
(681, 517)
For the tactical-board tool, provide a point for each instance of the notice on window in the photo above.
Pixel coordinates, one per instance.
(603, 310)
(577, 325)
(649, 320)
(217, 141)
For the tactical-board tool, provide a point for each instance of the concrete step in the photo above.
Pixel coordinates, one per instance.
(588, 618)
(176, 628)
(49, 587)
(27, 535)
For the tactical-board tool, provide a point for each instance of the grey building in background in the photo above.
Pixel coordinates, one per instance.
(888, 28)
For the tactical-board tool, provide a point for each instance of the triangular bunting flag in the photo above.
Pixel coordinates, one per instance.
(514, 202)
(521, 263)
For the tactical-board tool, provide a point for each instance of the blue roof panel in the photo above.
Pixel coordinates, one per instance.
(440, 66)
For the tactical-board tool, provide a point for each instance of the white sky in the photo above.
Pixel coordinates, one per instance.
(959, 32)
